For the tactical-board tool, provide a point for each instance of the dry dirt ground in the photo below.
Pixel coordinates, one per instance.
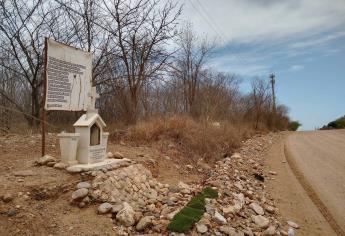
(310, 186)
(40, 205)
(40, 202)
(319, 160)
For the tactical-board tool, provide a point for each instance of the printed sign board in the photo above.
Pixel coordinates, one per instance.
(68, 76)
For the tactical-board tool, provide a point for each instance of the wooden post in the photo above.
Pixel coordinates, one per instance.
(43, 118)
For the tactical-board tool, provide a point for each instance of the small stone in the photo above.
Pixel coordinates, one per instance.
(45, 159)
(81, 204)
(201, 228)
(116, 208)
(182, 186)
(121, 231)
(229, 210)
(11, 213)
(86, 200)
(83, 185)
(219, 218)
(270, 231)
(80, 193)
(239, 186)
(235, 156)
(24, 173)
(144, 222)
(172, 214)
(228, 230)
(7, 197)
(248, 232)
(110, 155)
(74, 169)
(189, 167)
(272, 172)
(126, 215)
(104, 208)
(270, 209)
(257, 208)
(261, 221)
(118, 155)
(60, 165)
(51, 163)
(292, 224)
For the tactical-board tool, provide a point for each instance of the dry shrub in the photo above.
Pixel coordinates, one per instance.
(198, 138)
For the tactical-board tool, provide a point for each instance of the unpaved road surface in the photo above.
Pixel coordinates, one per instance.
(292, 200)
(319, 161)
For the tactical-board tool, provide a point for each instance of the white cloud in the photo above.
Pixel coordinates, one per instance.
(316, 41)
(255, 20)
(257, 35)
(296, 67)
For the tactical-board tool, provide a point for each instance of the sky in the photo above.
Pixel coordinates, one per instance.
(301, 41)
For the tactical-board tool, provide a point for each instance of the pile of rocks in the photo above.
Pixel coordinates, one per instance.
(51, 161)
(80, 196)
(244, 207)
(137, 202)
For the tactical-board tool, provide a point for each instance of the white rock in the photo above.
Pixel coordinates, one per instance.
(190, 167)
(219, 218)
(239, 201)
(83, 185)
(104, 208)
(291, 232)
(60, 165)
(45, 159)
(201, 228)
(80, 193)
(257, 208)
(144, 222)
(292, 224)
(126, 215)
(272, 172)
(236, 155)
(261, 221)
(73, 169)
(228, 230)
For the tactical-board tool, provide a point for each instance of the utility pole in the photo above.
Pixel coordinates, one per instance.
(273, 81)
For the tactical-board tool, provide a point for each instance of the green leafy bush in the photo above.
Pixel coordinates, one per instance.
(192, 212)
(336, 124)
(294, 125)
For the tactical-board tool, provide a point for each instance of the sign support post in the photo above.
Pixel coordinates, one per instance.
(43, 118)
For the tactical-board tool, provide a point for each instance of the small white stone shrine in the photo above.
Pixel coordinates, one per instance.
(93, 140)
(88, 144)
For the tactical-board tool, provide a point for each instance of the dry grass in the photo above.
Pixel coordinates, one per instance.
(197, 138)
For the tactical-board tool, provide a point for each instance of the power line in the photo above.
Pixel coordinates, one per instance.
(215, 28)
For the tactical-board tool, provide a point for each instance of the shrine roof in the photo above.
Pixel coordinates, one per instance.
(89, 119)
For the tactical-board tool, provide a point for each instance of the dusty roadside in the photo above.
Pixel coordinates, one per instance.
(291, 198)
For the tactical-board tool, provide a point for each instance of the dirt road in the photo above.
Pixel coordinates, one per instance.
(318, 158)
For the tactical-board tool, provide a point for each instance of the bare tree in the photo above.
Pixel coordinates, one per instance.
(140, 31)
(260, 96)
(190, 61)
(21, 40)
